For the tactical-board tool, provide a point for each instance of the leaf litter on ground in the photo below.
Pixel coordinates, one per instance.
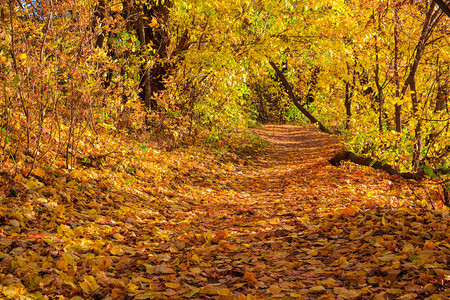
(193, 224)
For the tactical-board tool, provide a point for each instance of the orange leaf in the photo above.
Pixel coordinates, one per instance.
(250, 277)
(104, 264)
(348, 212)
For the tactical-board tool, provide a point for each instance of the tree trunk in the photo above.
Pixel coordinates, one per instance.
(442, 88)
(373, 163)
(348, 105)
(398, 108)
(417, 150)
(410, 82)
(294, 99)
(349, 87)
(377, 82)
(150, 23)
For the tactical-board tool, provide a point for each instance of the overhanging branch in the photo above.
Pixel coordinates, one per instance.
(444, 7)
(288, 89)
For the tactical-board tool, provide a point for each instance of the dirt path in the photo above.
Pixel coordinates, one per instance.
(294, 226)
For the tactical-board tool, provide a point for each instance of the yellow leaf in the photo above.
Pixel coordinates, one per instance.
(23, 56)
(208, 236)
(195, 270)
(153, 23)
(329, 282)
(339, 261)
(38, 172)
(173, 285)
(424, 203)
(207, 290)
(204, 265)
(14, 223)
(69, 258)
(13, 291)
(353, 235)
(132, 287)
(395, 291)
(116, 251)
(196, 258)
(387, 256)
(294, 295)
(118, 236)
(140, 173)
(62, 265)
(318, 289)
(191, 293)
(89, 284)
(33, 184)
(224, 292)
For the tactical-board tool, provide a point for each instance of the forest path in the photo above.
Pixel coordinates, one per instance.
(184, 225)
(292, 225)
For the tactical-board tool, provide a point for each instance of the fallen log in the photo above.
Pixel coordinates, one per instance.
(376, 164)
(373, 163)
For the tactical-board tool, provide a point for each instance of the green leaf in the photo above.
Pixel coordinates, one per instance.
(429, 171)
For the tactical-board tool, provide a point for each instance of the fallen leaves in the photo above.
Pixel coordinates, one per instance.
(180, 226)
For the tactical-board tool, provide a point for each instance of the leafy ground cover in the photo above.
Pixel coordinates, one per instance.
(192, 224)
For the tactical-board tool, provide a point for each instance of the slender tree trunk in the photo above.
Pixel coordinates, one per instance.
(398, 108)
(377, 82)
(348, 104)
(418, 130)
(410, 82)
(442, 88)
(155, 39)
(349, 87)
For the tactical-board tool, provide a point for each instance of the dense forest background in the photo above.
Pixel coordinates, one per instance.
(79, 78)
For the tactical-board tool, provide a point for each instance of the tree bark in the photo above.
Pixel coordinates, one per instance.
(444, 7)
(150, 24)
(373, 163)
(348, 104)
(295, 100)
(398, 108)
(410, 81)
(377, 79)
(377, 165)
(442, 88)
